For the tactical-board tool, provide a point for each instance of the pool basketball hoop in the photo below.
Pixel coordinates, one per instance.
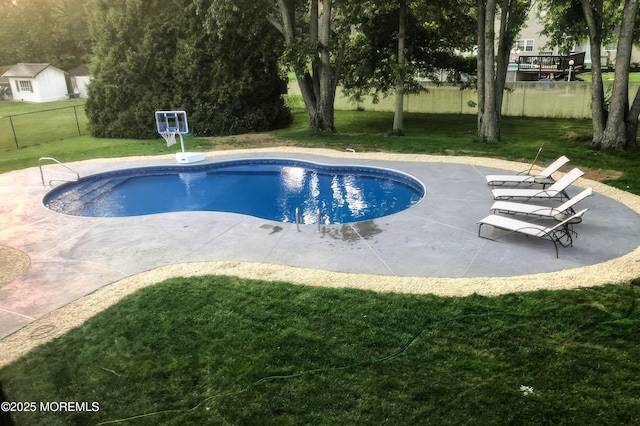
(172, 123)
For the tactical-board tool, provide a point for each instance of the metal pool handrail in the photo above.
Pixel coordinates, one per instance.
(298, 221)
(41, 159)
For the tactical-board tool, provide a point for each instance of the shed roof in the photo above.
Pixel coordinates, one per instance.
(4, 80)
(27, 70)
(82, 70)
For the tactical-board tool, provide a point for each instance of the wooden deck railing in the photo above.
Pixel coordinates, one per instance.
(550, 64)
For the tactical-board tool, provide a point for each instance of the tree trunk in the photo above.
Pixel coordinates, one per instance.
(489, 126)
(615, 133)
(593, 17)
(398, 116)
(317, 87)
(505, 42)
(482, 10)
(632, 122)
(327, 94)
(598, 108)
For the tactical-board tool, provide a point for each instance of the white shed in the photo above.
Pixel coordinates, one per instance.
(80, 80)
(38, 82)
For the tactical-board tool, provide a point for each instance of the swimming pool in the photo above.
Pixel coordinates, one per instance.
(267, 188)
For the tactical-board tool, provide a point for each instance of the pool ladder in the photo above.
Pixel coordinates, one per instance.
(68, 169)
(298, 219)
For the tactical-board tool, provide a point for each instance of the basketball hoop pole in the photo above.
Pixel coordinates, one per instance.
(181, 142)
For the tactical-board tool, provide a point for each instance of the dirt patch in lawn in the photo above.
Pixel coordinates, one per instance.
(601, 175)
(251, 140)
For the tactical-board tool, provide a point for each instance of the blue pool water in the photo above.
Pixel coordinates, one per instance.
(266, 188)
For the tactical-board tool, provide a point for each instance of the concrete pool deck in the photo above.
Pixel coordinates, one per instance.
(433, 247)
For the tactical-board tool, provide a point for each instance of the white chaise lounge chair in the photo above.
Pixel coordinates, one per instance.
(558, 234)
(557, 190)
(559, 213)
(543, 178)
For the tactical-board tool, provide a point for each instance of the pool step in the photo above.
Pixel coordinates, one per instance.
(94, 190)
(75, 201)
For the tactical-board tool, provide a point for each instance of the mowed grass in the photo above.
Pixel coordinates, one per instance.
(455, 134)
(218, 350)
(27, 124)
(608, 76)
(51, 130)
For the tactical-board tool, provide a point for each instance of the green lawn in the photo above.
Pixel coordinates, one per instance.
(51, 130)
(14, 108)
(634, 77)
(26, 124)
(454, 134)
(225, 351)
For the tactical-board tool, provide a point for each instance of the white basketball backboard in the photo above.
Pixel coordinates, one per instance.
(172, 122)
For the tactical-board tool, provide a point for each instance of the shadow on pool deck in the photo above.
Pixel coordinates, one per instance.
(74, 256)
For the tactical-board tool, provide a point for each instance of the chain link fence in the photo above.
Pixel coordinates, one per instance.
(33, 128)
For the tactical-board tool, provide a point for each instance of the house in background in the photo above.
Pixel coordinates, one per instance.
(531, 58)
(532, 43)
(80, 80)
(38, 83)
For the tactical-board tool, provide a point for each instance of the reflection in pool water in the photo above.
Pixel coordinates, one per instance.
(267, 188)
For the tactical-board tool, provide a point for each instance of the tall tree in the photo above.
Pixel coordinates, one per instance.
(601, 22)
(398, 115)
(8, 53)
(314, 32)
(488, 114)
(568, 22)
(492, 62)
(621, 127)
(70, 37)
(315, 72)
(163, 54)
(593, 15)
(390, 50)
(53, 31)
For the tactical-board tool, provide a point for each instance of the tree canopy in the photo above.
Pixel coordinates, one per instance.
(564, 21)
(52, 31)
(165, 54)
(434, 41)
